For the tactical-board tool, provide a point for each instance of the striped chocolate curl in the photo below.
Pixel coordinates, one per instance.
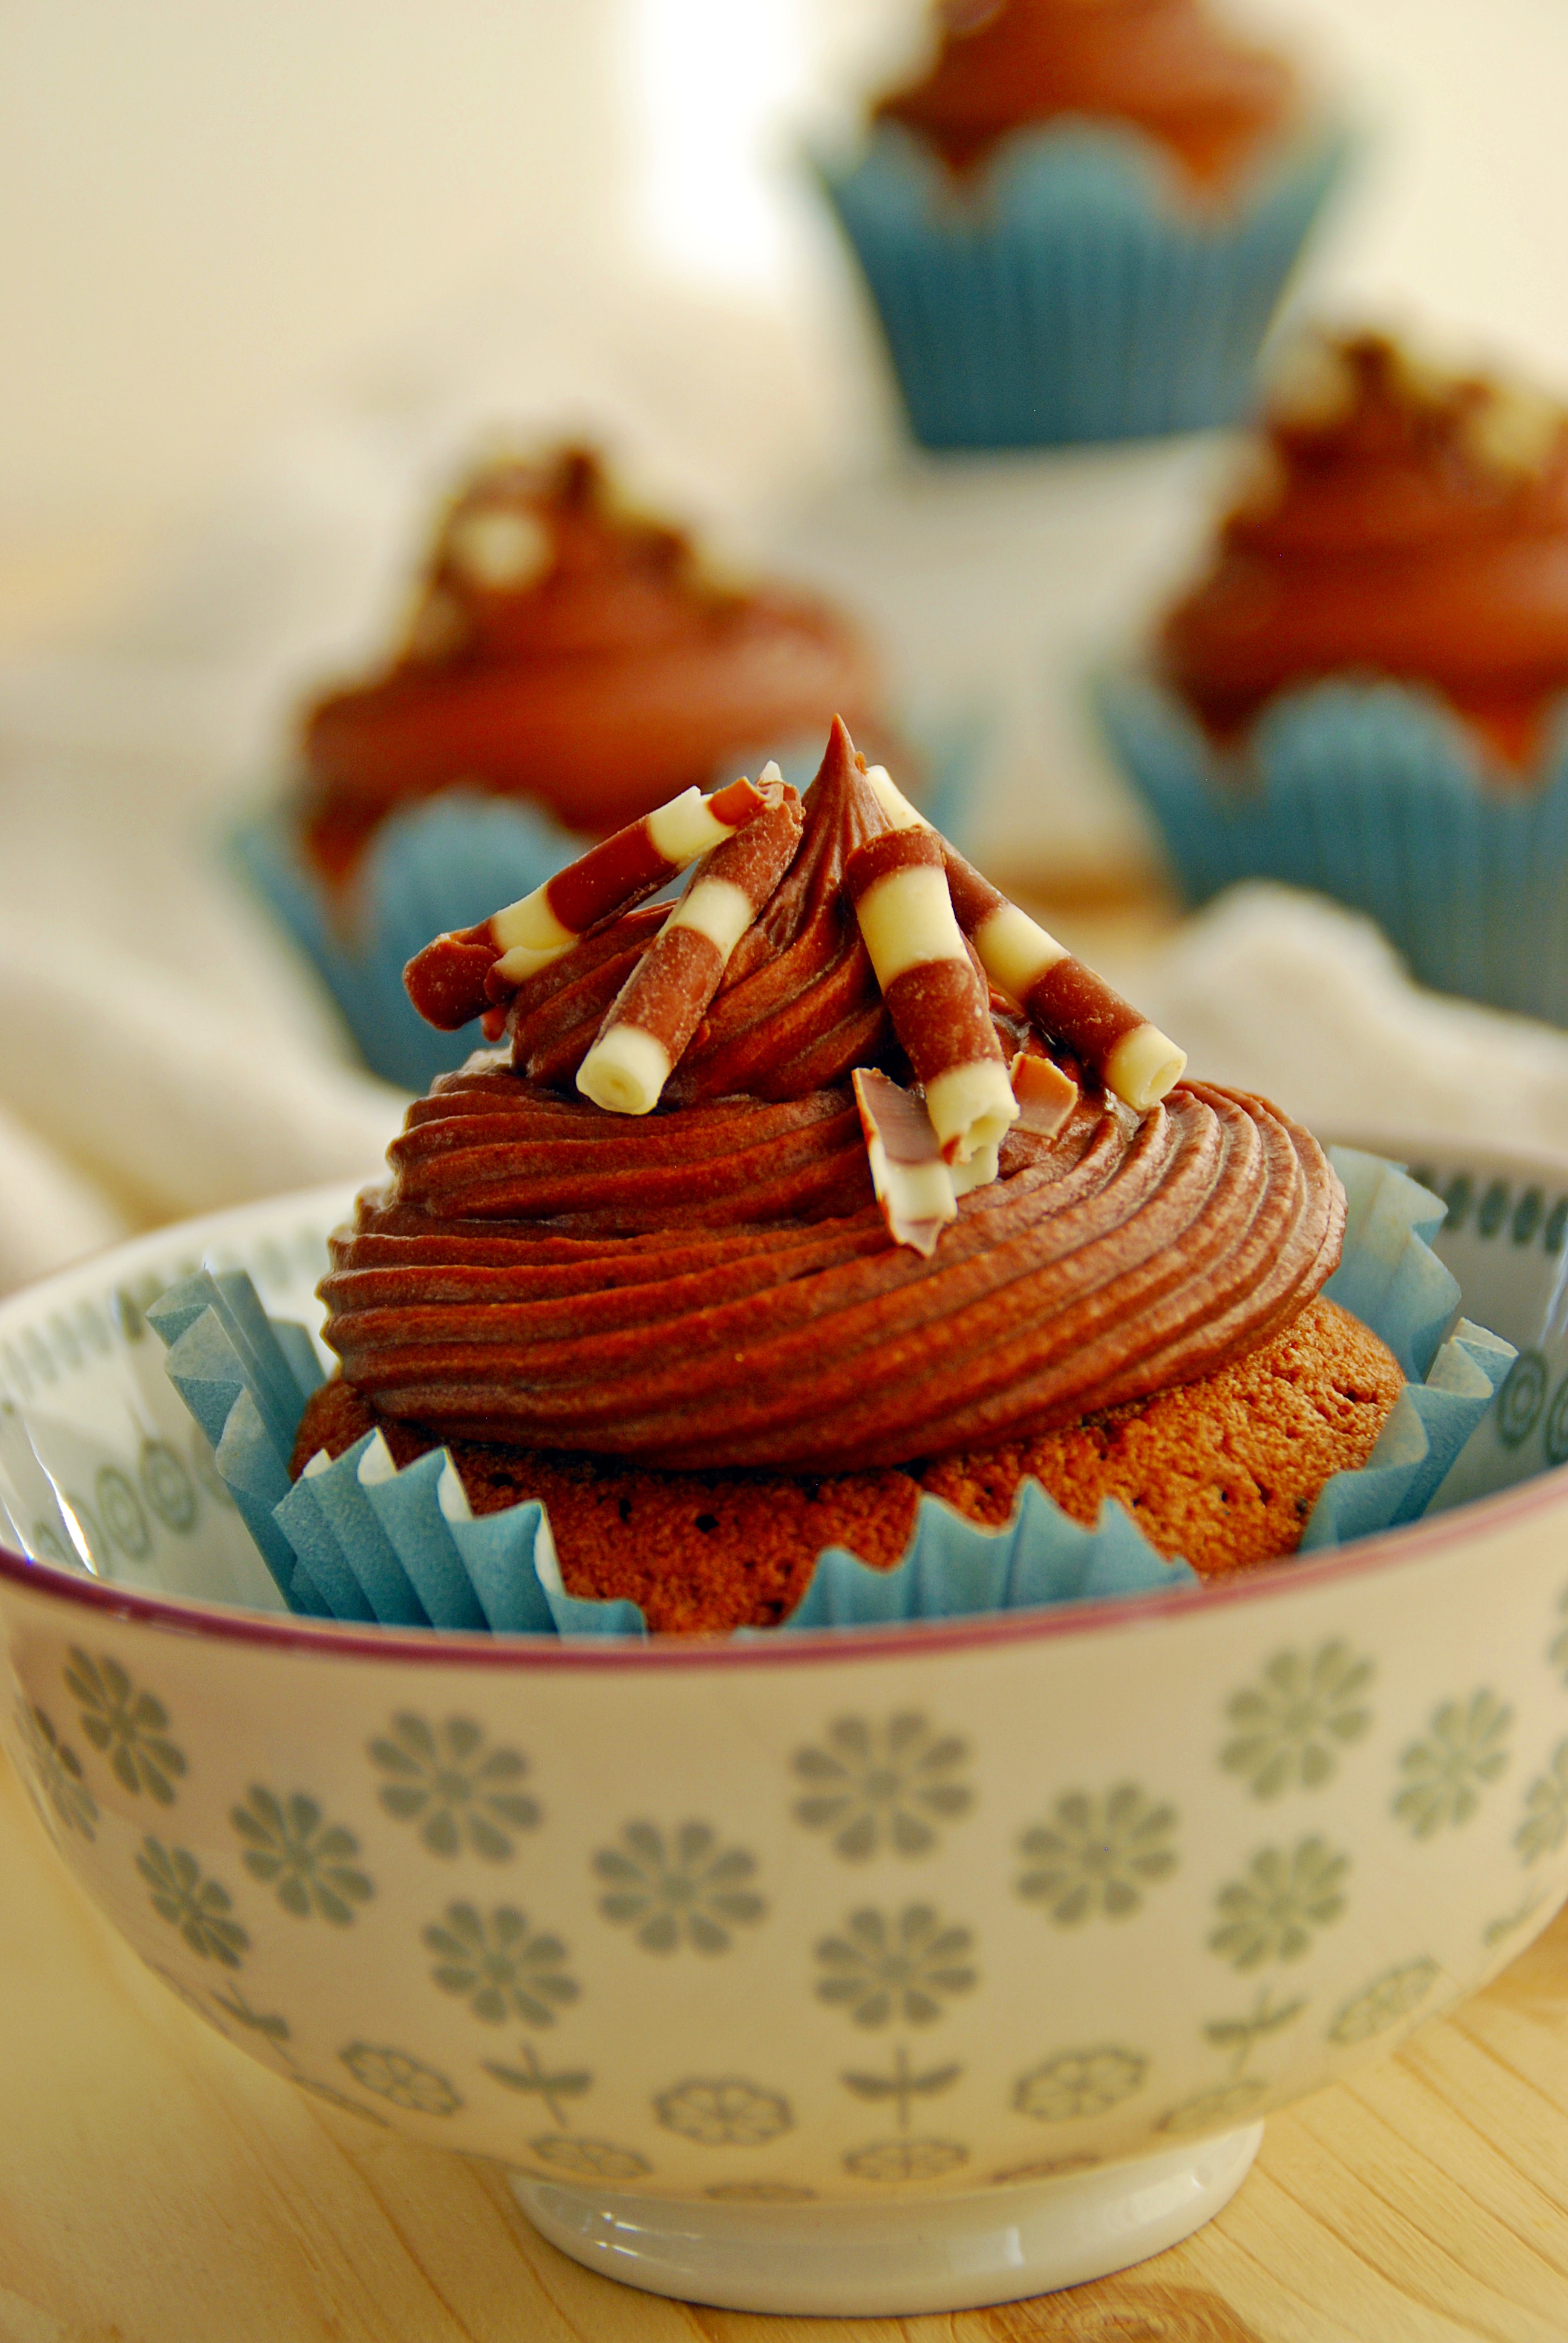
(456, 978)
(663, 1001)
(1065, 997)
(939, 1005)
(913, 1185)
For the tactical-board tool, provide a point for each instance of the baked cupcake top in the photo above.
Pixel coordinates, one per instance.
(1400, 523)
(841, 1163)
(1159, 64)
(569, 650)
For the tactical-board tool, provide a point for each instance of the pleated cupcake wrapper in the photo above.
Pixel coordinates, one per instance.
(1071, 294)
(1374, 793)
(452, 860)
(357, 1539)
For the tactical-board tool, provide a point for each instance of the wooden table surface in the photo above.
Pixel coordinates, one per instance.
(159, 2187)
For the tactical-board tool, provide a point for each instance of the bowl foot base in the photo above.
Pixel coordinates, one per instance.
(898, 2258)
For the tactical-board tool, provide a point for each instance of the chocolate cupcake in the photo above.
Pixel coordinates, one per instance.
(1364, 693)
(569, 665)
(860, 1230)
(1077, 224)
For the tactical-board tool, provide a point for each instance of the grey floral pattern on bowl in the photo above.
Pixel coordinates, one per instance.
(724, 2111)
(1545, 1824)
(882, 1787)
(1445, 1774)
(1385, 2001)
(905, 2159)
(131, 1728)
(1286, 1896)
(57, 1771)
(308, 1862)
(1291, 1726)
(1097, 1855)
(500, 1966)
(552, 2089)
(680, 1888)
(459, 1793)
(885, 1966)
(591, 2159)
(1080, 2083)
(397, 2076)
(199, 1908)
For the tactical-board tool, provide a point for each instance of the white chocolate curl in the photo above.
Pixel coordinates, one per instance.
(1140, 1064)
(914, 1187)
(663, 1000)
(532, 933)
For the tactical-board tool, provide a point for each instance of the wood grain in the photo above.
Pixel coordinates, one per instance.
(157, 2186)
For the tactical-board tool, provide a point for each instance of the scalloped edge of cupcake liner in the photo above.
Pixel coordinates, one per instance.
(1073, 297)
(1375, 793)
(449, 861)
(356, 1539)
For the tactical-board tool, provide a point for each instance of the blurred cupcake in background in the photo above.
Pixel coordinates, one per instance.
(1078, 225)
(570, 663)
(1364, 694)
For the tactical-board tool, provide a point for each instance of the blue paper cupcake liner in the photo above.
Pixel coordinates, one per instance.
(356, 1539)
(452, 860)
(1071, 294)
(1374, 793)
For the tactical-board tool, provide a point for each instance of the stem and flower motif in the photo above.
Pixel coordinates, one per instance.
(1384, 2002)
(57, 1770)
(905, 2159)
(1445, 1774)
(903, 2086)
(886, 1965)
(1545, 1824)
(682, 1888)
(1239, 2038)
(724, 2112)
(269, 2025)
(570, 2084)
(1097, 1855)
(130, 1727)
(1290, 1726)
(591, 2159)
(1080, 2083)
(310, 1861)
(882, 1785)
(458, 1792)
(500, 1965)
(407, 2081)
(199, 1908)
(1271, 1913)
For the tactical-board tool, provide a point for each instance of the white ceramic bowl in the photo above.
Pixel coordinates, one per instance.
(868, 1971)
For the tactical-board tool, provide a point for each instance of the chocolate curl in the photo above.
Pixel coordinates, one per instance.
(939, 1005)
(1045, 1095)
(454, 978)
(1067, 999)
(666, 997)
(914, 1186)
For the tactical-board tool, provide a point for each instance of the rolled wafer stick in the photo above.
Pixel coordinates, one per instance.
(664, 999)
(1131, 1056)
(939, 1005)
(914, 1186)
(455, 978)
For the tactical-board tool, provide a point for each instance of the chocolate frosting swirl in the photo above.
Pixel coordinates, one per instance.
(1402, 525)
(1159, 64)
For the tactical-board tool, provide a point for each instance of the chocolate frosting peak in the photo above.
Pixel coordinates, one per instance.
(1159, 64)
(1402, 523)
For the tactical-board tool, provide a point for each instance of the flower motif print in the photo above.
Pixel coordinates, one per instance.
(591, 2159)
(1545, 1824)
(1445, 1774)
(199, 1908)
(905, 2159)
(459, 1793)
(1271, 1915)
(1097, 1855)
(887, 1965)
(408, 2082)
(1383, 2004)
(310, 1861)
(677, 1888)
(724, 2113)
(57, 1770)
(1290, 1726)
(1080, 2083)
(500, 1965)
(882, 1785)
(130, 1727)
